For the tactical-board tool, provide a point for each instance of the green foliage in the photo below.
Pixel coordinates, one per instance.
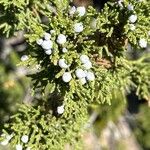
(15, 14)
(43, 128)
(103, 37)
(142, 23)
(140, 77)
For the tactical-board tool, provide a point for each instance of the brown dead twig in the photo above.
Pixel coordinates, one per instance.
(102, 61)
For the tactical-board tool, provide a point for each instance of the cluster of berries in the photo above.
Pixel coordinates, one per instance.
(132, 19)
(85, 75)
(82, 75)
(24, 139)
(80, 11)
(46, 43)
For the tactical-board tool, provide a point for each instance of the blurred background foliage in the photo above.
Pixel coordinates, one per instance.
(13, 83)
(142, 126)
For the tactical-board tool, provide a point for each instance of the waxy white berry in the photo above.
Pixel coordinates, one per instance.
(78, 27)
(48, 52)
(18, 147)
(72, 10)
(87, 65)
(130, 7)
(80, 73)
(47, 36)
(84, 58)
(60, 109)
(61, 39)
(66, 77)
(133, 18)
(62, 64)
(83, 81)
(81, 11)
(24, 58)
(64, 50)
(24, 138)
(90, 76)
(143, 43)
(47, 44)
(39, 41)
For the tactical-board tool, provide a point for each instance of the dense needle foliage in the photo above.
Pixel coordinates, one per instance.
(81, 59)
